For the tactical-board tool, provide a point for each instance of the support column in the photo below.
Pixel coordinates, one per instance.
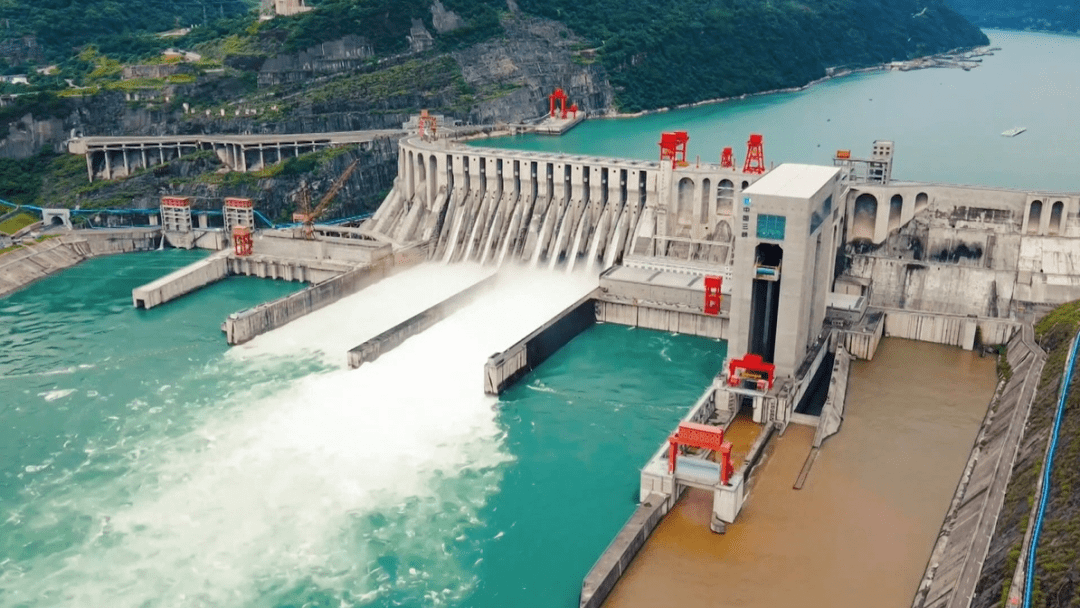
(108, 164)
(127, 167)
(90, 165)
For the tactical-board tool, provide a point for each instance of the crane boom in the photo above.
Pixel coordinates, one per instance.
(324, 203)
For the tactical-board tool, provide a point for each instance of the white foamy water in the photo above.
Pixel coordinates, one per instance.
(365, 314)
(352, 485)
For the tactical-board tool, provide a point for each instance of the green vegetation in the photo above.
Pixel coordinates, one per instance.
(432, 83)
(1045, 15)
(16, 223)
(694, 50)
(1057, 563)
(118, 28)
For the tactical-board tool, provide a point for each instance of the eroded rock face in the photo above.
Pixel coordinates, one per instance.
(535, 58)
(445, 20)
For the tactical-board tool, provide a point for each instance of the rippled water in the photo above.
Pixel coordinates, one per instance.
(144, 464)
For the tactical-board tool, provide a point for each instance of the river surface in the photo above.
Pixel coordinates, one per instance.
(946, 123)
(146, 464)
(861, 529)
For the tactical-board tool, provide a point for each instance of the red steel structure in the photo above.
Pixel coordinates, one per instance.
(673, 147)
(242, 243)
(694, 435)
(239, 203)
(727, 160)
(751, 372)
(176, 201)
(755, 155)
(560, 96)
(428, 125)
(712, 295)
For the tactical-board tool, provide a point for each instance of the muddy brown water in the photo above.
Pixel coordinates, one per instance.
(860, 531)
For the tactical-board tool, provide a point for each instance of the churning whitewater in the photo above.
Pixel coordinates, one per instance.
(354, 483)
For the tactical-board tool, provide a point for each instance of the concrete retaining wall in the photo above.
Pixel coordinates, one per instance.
(863, 343)
(961, 549)
(35, 261)
(953, 330)
(393, 337)
(244, 325)
(505, 368)
(182, 281)
(694, 324)
(618, 555)
(832, 413)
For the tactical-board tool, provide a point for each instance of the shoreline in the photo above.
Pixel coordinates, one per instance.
(957, 55)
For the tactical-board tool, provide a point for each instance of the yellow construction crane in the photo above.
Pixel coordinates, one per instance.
(307, 217)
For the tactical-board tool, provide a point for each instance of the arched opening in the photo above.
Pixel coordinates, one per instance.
(686, 200)
(56, 221)
(1057, 210)
(921, 201)
(433, 170)
(725, 196)
(745, 184)
(421, 176)
(706, 189)
(1034, 217)
(862, 226)
(896, 208)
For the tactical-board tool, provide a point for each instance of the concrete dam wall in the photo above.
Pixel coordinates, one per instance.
(494, 206)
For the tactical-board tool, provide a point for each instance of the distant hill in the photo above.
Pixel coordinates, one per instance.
(663, 53)
(1044, 15)
(60, 26)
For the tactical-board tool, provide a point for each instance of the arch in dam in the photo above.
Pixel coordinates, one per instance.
(896, 210)
(686, 200)
(922, 201)
(706, 190)
(1057, 214)
(1034, 217)
(725, 197)
(865, 220)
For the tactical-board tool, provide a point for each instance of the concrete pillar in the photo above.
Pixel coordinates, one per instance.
(204, 221)
(142, 152)
(124, 154)
(243, 158)
(108, 164)
(90, 165)
(153, 220)
(161, 153)
(262, 158)
(410, 186)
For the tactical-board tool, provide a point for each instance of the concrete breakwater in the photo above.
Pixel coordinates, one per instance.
(504, 369)
(29, 263)
(244, 325)
(372, 349)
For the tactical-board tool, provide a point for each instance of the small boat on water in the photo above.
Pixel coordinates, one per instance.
(1013, 132)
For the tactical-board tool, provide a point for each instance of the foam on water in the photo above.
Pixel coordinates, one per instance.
(340, 487)
(365, 314)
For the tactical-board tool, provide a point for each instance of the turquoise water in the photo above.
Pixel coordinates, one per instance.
(144, 464)
(946, 123)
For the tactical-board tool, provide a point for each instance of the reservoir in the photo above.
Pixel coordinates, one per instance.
(946, 123)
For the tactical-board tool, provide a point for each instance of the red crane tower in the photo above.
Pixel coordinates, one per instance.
(560, 96)
(673, 147)
(428, 126)
(755, 155)
(727, 161)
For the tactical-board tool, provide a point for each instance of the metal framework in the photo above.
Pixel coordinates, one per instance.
(694, 435)
(428, 126)
(755, 155)
(242, 243)
(673, 147)
(727, 160)
(560, 96)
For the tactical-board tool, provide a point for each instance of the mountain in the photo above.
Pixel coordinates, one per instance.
(1044, 15)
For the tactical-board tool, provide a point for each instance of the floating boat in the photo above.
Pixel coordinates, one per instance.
(1013, 132)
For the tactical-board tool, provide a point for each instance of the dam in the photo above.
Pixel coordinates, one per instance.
(668, 270)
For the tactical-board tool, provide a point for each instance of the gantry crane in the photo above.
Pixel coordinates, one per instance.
(306, 217)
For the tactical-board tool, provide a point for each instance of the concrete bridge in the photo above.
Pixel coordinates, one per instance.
(113, 157)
